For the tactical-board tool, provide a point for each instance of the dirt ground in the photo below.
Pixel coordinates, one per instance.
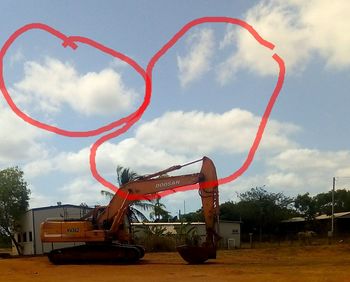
(311, 263)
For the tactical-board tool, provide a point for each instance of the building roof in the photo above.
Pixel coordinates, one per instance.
(60, 206)
(179, 223)
(320, 217)
(336, 215)
(166, 223)
(231, 221)
(294, 219)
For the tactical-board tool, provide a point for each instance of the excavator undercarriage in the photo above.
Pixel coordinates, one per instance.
(97, 254)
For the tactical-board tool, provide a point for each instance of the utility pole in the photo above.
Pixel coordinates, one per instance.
(332, 228)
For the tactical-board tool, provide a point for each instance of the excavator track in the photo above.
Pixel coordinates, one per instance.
(97, 254)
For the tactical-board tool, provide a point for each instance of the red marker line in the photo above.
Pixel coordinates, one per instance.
(263, 121)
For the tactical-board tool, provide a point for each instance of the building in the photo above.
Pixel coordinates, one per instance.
(230, 232)
(321, 225)
(29, 235)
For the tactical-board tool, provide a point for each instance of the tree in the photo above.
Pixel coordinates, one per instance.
(341, 201)
(230, 211)
(259, 210)
(322, 203)
(159, 213)
(306, 206)
(125, 175)
(196, 216)
(14, 197)
(134, 213)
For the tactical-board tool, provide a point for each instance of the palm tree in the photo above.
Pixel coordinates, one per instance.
(159, 213)
(125, 175)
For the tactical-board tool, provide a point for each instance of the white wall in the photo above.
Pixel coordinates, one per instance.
(25, 235)
(32, 220)
(230, 232)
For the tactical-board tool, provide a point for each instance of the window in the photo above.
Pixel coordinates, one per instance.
(30, 236)
(235, 231)
(19, 238)
(24, 237)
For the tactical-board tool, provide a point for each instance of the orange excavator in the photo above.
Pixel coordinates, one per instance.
(103, 231)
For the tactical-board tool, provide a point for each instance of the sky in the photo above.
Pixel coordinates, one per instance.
(209, 92)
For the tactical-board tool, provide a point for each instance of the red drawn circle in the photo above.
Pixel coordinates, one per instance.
(72, 41)
(258, 135)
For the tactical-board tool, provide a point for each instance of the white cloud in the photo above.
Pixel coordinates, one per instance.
(75, 163)
(16, 57)
(307, 170)
(74, 168)
(303, 159)
(198, 133)
(53, 84)
(38, 199)
(197, 62)
(131, 153)
(290, 171)
(343, 172)
(299, 29)
(137, 155)
(19, 142)
(329, 23)
(83, 190)
(184, 201)
(230, 191)
(186, 136)
(38, 168)
(294, 171)
(283, 180)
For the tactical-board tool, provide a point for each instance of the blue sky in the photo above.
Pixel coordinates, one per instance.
(209, 92)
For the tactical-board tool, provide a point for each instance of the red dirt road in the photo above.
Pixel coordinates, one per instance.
(314, 263)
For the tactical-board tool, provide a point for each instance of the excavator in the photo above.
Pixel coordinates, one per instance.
(103, 235)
